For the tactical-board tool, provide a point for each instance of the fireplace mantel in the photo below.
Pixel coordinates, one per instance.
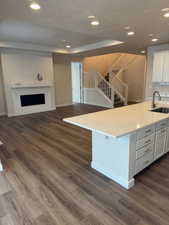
(31, 85)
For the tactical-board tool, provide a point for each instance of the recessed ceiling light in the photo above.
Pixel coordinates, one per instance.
(127, 28)
(143, 51)
(166, 15)
(91, 17)
(68, 46)
(95, 23)
(165, 10)
(154, 39)
(35, 6)
(131, 33)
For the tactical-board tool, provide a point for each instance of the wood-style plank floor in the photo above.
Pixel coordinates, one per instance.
(48, 179)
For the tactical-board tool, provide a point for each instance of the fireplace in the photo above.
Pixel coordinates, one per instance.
(32, 99)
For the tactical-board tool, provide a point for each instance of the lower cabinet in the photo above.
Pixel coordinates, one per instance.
(160, 143)
(167, 141)
(143, 162)
(151, 146)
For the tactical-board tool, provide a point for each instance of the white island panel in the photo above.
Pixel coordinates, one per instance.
(112, 157)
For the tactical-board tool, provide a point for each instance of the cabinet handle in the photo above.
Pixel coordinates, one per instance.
(147, 131)
(146, 142)
(163, 124)
(163, 131)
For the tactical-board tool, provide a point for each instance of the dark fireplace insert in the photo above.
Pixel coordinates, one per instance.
(34, 99)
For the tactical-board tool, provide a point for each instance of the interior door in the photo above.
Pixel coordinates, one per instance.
(76, 70)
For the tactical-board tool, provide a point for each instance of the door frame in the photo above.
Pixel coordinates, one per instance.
(81, 81)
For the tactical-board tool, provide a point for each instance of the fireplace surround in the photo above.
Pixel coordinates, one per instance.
(32, 98)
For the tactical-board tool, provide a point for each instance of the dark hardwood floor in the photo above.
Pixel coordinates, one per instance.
(77, 109)
(48, 179)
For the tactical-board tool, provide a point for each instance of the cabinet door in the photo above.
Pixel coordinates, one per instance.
(166, 67)
(160, 143)
(158, 64)
(167, 141)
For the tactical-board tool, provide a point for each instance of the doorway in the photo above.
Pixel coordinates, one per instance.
(77, 90)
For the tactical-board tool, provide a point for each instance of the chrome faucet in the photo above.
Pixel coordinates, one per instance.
(153, 100)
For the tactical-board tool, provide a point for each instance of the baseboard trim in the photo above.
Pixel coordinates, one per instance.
(1, 167)
(108, 107)
(26, 113)
(62, 105)
(3, 114)
(105, 171)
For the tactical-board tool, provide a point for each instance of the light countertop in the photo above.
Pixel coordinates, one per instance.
(119, 121)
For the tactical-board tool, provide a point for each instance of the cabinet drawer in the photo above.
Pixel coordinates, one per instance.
(161, 124)
(145, 150)
(143, 162)
(145, 132)
(145, 141)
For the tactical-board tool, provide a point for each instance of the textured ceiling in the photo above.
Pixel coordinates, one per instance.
(60, 20)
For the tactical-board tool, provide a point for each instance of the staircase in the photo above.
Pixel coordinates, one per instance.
(99, 91)
(117, 101)
(116, 80)
(110, 90)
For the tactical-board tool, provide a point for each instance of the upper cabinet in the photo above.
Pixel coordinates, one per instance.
(161, 66)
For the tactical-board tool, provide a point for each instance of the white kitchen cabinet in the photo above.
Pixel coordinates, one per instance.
(143, 162)
(161, 66)
(165, 77)
(158, 62)
(160, 143)
(167, 141)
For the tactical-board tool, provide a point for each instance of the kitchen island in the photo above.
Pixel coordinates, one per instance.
(125, 140)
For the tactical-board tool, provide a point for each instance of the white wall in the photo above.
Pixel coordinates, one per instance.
(150, 87)
(22, 67)
(134, 77)
(63, 80)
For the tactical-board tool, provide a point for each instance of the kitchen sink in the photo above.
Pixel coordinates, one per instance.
(161, 110)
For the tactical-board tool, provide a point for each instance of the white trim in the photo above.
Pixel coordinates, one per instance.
(62, 105)
(1, 167)
(97, 45)
(35, 47)
(108, 173)
(3, 114)
(32, 47)
(28, 113)
(98, 105)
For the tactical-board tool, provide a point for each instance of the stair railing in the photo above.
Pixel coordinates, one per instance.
(116, 79)
(120, 87)
(104, 86)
